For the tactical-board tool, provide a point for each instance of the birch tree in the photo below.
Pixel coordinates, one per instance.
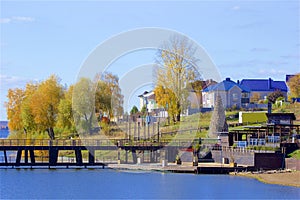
(176, 72)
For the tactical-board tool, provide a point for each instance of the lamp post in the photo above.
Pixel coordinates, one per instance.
(220, 143)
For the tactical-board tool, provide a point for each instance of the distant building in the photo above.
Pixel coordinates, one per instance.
(264, 86)
(148, 99)
(281, 118)
(288, 77)
(232, 94)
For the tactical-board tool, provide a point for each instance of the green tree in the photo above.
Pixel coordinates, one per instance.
(176, 58)
(65, 115)
(134, 110)
(218, 120)
(83, 105)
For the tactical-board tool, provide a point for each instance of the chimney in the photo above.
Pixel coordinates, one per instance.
(238, 81)
(269, 83)
(227, 79)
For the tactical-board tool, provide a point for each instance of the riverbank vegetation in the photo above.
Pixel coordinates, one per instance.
(47, 109)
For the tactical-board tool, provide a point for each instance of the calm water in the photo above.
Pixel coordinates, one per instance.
(104, 183)
(107, 184)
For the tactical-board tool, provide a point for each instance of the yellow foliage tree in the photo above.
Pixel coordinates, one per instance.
(65, 118)
(27, 115)
(45, 103)
(167, 99)
(294, 86)
(176, 73)
(13, 108)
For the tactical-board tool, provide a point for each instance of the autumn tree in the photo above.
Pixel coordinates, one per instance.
(65, 115)
(218, 120)
(176, 72)
(108, 97)
(167, 99)
(255, 97)
(13, 108)
(45, 103)
(294, 86)
(274, 95)
(27, 114)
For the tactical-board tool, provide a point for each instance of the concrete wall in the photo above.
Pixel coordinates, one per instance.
(267, 161)
(241, 158)
(291, 163)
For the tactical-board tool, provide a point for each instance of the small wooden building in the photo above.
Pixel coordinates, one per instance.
(281, 118)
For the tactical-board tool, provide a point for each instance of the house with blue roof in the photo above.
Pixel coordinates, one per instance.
(232, 94)
(264, 86)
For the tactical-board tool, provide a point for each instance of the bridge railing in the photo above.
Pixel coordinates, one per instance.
(97, 142)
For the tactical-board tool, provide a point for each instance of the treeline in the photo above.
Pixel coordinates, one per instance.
(48, 106)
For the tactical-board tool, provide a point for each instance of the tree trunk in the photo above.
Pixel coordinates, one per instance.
(178, 117)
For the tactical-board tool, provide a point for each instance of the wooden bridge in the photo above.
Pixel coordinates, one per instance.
(25, 148)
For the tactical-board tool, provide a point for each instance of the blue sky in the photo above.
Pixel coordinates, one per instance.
(245, 39)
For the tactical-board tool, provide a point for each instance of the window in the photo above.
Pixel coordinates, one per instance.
(245, 95)
(234, 96)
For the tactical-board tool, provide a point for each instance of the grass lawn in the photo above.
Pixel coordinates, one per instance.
(295, 154)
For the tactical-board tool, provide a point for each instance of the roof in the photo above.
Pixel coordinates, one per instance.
(264, 85)
(225, 85)
(148, 95)
(292, 115)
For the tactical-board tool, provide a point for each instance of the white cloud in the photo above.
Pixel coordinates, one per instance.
(5, 20)
(23, 19)
(12, 81)
(16, 19)
(272, 71)
(235, 8)
(258, 49)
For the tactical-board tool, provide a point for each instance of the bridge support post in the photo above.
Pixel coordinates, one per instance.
(78, 157)
(26, 156)
(139, 131)
(19, 155)
(32, 158)
(53, 154)
(91, 157)
(5, 156)
(134, 157)
(126, 156)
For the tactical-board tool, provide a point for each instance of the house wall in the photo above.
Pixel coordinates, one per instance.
(228, 99)
(234, 100)
(208, 99)
(142, 102)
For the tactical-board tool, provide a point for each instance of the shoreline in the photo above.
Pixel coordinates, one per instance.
(286, 178)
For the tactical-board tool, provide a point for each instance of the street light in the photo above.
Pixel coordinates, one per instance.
(220, 143)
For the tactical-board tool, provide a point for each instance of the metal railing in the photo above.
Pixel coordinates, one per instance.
(97, 142)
